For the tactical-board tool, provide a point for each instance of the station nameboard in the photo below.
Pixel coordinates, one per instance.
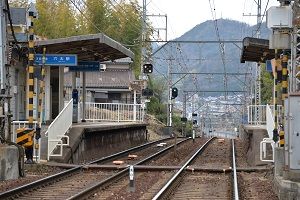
(56, 59)
(86, 66)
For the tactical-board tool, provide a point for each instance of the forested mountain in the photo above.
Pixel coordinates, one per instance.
(206, 57)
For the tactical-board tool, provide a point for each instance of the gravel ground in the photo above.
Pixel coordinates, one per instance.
(252, 185)
(147, 183)
(216, 155)
(144, 181)
(256, 186)
(142, 154)
(200, 185)
(204, 186)
(183, 153)
(32, 173)
(241, 152)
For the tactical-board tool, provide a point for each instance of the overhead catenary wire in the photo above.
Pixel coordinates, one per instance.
(221, 45)
(11, 25)
(261, 21)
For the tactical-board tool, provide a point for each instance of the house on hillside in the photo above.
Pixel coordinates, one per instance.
(109, 85)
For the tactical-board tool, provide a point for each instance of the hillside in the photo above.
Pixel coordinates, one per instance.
(206, 57)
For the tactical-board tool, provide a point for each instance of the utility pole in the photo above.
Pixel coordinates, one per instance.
(161, 28)
(5, 115)
(258, 66)
(170, 105)
(144, 33)
(257, 88)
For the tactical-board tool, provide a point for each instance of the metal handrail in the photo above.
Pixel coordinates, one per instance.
(58, 128)
(261, 119)
(114, 112)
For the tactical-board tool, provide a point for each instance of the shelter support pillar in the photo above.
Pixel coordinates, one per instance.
(61, 88)
(83, 95)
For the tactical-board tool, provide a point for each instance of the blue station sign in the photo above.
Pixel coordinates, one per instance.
(86, 66)
(56, 59)
(269, 66)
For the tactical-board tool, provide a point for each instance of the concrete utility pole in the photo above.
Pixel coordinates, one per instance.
(258, 67)
(294, 81)
(144, 34)
(170, 105)
(257, 87)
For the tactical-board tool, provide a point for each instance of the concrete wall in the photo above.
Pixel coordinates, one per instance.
(87, 144)
(254, 137)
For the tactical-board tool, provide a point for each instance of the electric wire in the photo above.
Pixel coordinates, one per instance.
(261, 21)
(11, 25)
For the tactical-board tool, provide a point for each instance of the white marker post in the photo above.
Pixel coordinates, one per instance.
(131, 179)
(193, 135)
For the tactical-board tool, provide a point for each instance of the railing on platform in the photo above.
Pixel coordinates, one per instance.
(25, 124)
(257, 114)
(263, 149)
(270, 125)
(118, 112)
(58, 128)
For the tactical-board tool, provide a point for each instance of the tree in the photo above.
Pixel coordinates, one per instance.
(98, 13)
(56, 19)
(18, 3)
(45, 24)
(266, 86)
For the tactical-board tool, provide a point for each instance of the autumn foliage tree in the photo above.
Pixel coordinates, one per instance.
(120, 21)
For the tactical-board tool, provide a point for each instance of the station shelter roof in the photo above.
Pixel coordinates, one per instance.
(92, 47)
(256, 50)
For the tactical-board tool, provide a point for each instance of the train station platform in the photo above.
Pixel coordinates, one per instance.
(88, 140)
(254, 134)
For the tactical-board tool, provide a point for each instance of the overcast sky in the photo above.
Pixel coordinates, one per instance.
(185, 14)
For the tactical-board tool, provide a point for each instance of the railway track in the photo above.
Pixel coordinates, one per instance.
(71, 182)
(190, 184)
(149, 177)
(115, 186)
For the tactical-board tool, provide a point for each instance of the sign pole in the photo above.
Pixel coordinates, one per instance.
(134, 107)
(131, 179)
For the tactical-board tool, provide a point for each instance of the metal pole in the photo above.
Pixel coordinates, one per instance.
(30, 81)
(275, 131)
(284, 95)
(3, 49)
(134, 105)
(258, 68)
(3, 61)
(143, 38)
(184, 104)
(169, 119)
(166, 27)
(83, 95)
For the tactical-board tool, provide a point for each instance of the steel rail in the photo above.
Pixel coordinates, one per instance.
(235, 182)
(69, 172)
(86, 193)
(167, 186)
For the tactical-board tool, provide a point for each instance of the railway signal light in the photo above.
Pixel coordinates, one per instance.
(147, 92)
(184, 119)
(147, 68)
(174, 93)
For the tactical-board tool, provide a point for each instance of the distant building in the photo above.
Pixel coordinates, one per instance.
(110, 85)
